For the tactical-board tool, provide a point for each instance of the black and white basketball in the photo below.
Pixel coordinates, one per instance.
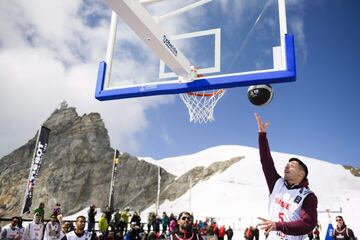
(260, 95)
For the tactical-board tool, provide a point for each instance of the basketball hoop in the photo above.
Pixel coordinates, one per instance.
(201, 104)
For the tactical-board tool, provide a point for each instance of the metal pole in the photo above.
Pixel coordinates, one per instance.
(158, 191)
(110, 48)
(190, 186)
(113, 179)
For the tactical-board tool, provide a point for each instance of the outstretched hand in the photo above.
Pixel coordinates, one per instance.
(261, 126)
(266, 225)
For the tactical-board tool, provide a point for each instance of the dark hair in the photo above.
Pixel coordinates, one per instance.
(302, 164)
(182, 213)
(78, 217)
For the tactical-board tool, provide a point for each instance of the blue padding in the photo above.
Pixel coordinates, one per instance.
(151, 89)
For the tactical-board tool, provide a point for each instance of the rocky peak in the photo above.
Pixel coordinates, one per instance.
(76, 169)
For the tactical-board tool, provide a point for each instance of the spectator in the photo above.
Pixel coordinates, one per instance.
(165, 220)
(156, 224)
(185, 230)
(229, 233)
(311, 235)
(103, 225)
(215, 231)
(52, 229)
(91, 217)
(57, 211)
(11, 231)
(151, 218)
(64, 229)
(136, 219)
(21, 228)
(108, 214)
(222, 232)
(134, 232)
(41, 210)
(79, 232)
(249, 234)
(172, 226)
(172, 217)
(256, 233)
(35, 229)
(117, 217)
(125, 216)
(317, 231)
(342, 232)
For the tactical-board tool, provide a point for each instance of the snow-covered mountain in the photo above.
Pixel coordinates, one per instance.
(238, 195)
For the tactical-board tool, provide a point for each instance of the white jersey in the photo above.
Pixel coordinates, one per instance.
(52, 231)
(34, 231)
(285, 206)
(72, 236)
(9, 233)
(21, 232)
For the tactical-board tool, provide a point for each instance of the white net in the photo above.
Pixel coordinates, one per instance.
(201, 104)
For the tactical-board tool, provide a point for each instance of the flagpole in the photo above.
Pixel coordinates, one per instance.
(158, 191)
(113, 179)
(190, 186)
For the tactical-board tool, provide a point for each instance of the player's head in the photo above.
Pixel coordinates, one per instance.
(53, 217)
(80, 223)
(185, 220)
(14, 221)
(65, 227)
(339, 221)
(37, 217)
(295, 171)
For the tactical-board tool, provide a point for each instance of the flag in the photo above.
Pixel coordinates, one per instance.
(39, 151)
(329, 232)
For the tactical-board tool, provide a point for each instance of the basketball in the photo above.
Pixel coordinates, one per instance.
(260, 95)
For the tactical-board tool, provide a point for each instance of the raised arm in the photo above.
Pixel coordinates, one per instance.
(266, 160)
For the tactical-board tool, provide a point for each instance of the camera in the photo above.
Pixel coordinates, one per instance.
(260, 95)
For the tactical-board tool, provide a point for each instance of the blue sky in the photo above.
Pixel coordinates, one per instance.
(316, 116)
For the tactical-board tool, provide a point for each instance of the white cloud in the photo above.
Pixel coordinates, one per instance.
(50, 53)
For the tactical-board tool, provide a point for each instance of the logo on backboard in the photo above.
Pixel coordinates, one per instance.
(169, 45)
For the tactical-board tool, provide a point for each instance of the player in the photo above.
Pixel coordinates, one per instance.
(292, 205)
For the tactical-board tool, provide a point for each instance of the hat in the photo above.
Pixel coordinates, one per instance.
(302, 164)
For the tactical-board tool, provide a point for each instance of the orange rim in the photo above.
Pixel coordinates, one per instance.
(201, 94)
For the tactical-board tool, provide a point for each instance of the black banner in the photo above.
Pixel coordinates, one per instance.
(113, 179)
(39, 151)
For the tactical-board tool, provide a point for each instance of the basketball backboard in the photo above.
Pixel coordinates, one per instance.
(154, 46)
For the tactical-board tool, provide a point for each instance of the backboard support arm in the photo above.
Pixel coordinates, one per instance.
(144, 25)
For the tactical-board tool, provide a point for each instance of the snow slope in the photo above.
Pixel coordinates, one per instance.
(237, 196)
